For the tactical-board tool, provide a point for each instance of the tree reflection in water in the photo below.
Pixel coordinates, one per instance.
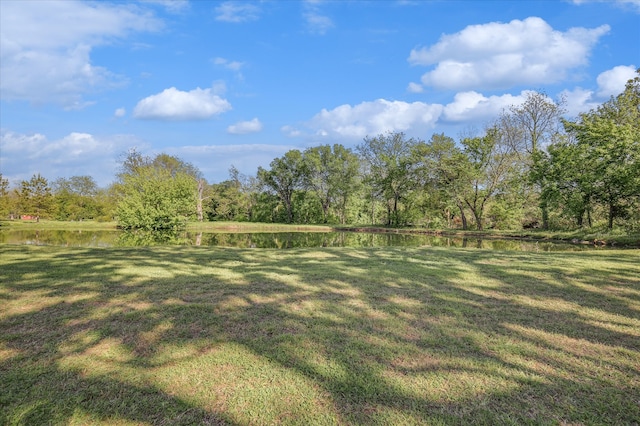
(277, 240)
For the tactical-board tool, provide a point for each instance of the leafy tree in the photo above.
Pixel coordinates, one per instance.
(284, 178)
(155, 194)
(229, 199)
(5, 201)
(528, 128)
(387, 161)
(331, 173)
(491, 166)
(609, 138)
(34, 197)
(566, 184)
(75, 198)
(444, 170)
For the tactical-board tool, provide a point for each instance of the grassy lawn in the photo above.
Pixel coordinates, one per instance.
(394, 336)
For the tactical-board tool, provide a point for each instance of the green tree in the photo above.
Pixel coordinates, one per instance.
(75, 198)
(177, 166)
(445, 171)
(5, 200)
(331, 173)
(528, 129)
(284, 178)
(566, 185)
(609, 137)
(491, 168)
(34, 197)
(155, 194)
(229, 200)
(387, 161)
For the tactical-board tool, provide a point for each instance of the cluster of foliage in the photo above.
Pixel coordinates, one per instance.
(530, 167)
(75, 199)
(155, 194)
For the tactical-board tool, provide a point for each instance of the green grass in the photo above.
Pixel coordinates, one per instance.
(186, 335)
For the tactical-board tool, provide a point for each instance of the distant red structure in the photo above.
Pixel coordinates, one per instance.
(29, 217)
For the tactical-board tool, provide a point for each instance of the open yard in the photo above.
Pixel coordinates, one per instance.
(187, 335)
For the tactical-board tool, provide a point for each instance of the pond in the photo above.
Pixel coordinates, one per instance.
(280, 240)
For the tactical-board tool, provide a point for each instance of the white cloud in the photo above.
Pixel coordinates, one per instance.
(635, 4)
(498, 55)
(175, 105)
(231, 65)
(173, 6)
(77, 154)
(290, 131)
(415, 88)
(318, 23)
(236, 12)
(612, 82)
(475, 107)
(372, 118)
(244, 127)
(577, 101)
(45, 59)
(120, 112)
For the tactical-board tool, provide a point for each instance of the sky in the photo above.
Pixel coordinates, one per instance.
(236, 83)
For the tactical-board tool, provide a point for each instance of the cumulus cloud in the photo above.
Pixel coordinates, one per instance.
(578, 100)
(610, 83)
(613, 81)
(372, 118)
(175, 105)
(44, 59)
(236, 12)
(475, 107)
(502, 55)
(77, 154)
(120, 112)
(415, 88)
(244, 127)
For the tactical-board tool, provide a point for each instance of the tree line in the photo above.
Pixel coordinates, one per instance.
(530, 167)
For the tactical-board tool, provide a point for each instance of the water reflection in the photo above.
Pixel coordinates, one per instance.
(279, 240)
(140, 238)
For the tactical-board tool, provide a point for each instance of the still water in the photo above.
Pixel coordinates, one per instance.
(280, 240)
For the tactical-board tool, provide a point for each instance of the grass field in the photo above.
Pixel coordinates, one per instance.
(186, 335)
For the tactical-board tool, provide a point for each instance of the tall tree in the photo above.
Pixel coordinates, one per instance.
(331, 174)
(387, 159)
(610, 137)
(5, 201)
(75, 198)
(284, 178)
(34, 196)
(566, 184)
(491, 165)
(445, 170)
(528, 128)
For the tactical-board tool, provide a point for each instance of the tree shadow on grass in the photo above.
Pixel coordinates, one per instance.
(365, 336)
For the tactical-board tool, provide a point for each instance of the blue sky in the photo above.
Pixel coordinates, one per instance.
(240, 83)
